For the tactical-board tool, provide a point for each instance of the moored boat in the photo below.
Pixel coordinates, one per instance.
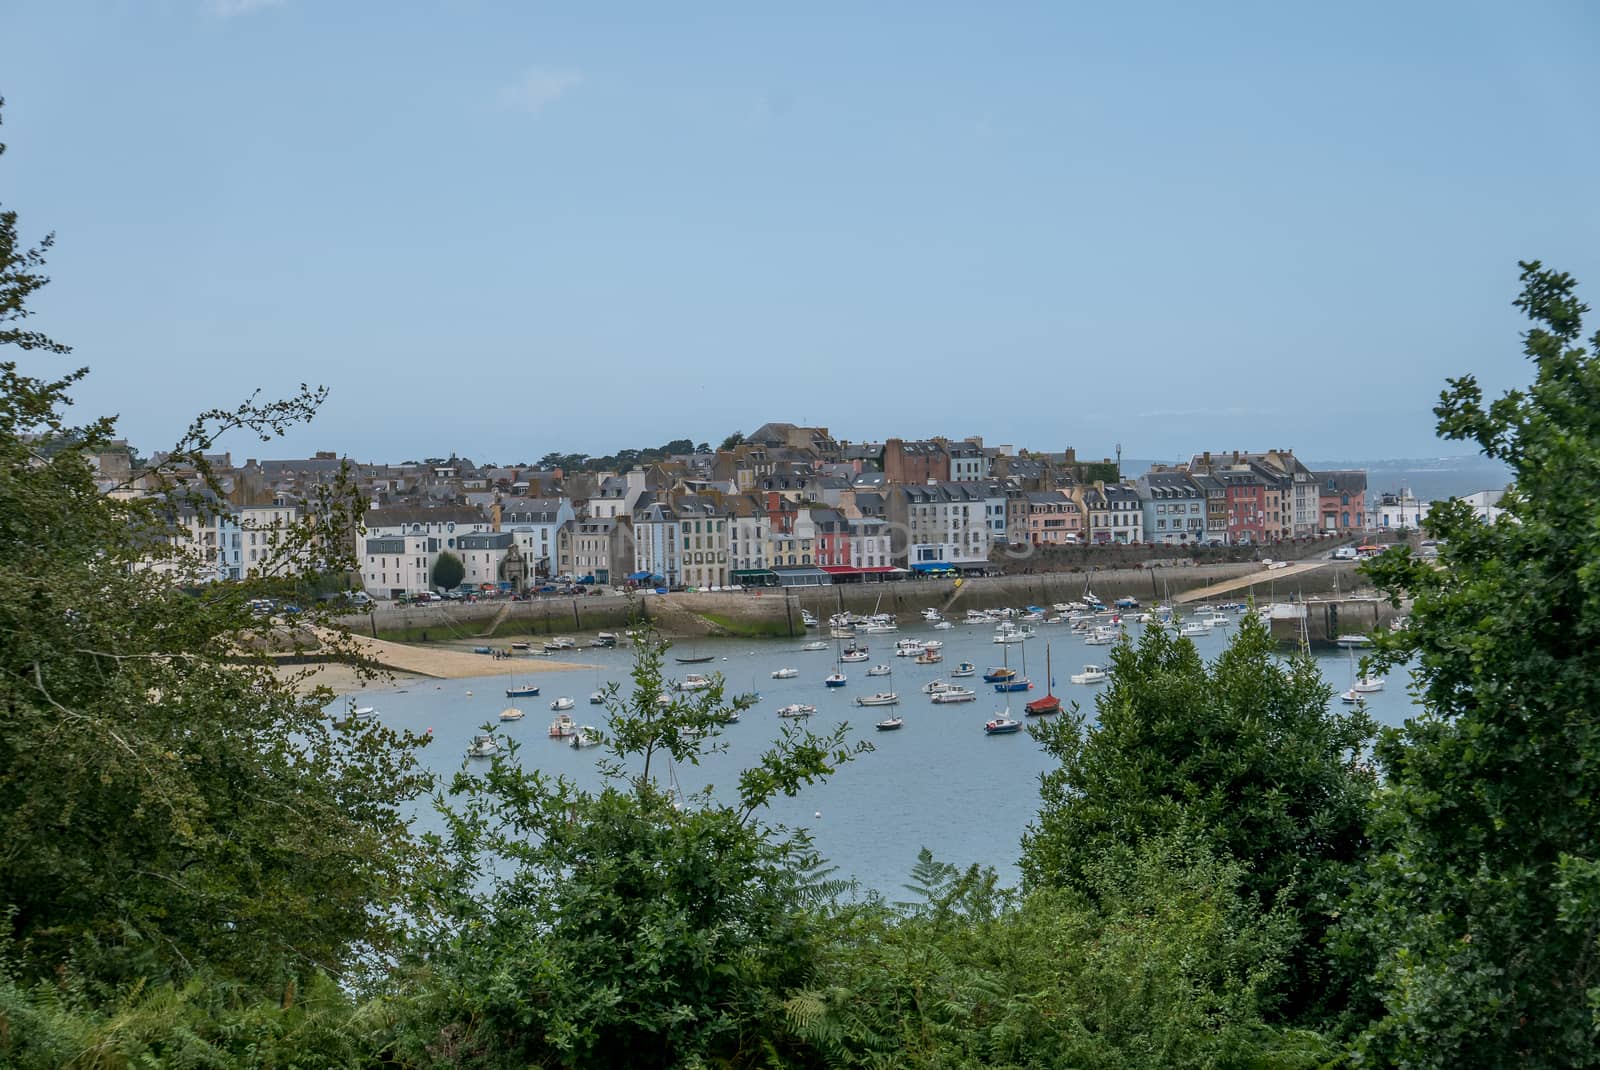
(1002, 724)
(953, 694)
(562, 727)
(815, 644)
(797, 709)
(890, 724)
(482, 746)
(835, 679)
(880, 670)
(563, 703)
(882, 698)
(525, 691)
(693, 682)
(560, 642)
(785, 673)
(511, 713)
(1091, 674)
(965, 668)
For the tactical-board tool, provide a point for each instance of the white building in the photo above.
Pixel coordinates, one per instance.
(703, 537)
(1394, 511)
(939, 524)
(1485, 504)
(535, 523)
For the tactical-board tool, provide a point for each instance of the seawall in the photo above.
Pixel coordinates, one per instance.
(774, 612)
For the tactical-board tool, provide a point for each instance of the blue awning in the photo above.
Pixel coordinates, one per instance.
(932, 566)
(639, 576)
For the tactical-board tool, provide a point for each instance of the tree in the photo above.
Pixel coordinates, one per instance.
(735, 439)
(1243, 752)
(1480, 915)
(448, 571)
(631, 925)
(168, 804)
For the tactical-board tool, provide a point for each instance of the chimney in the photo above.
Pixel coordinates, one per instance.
(494, 514)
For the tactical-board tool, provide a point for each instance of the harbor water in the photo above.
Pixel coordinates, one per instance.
(939, 782)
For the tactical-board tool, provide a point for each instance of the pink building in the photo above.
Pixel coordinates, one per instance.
(1054, 519)
(1342, 501)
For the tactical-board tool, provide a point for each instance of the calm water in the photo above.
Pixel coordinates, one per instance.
(939, 781)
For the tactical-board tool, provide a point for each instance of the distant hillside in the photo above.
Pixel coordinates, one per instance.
(1429, 478)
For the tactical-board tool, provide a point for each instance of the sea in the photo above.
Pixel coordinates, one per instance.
(939, 782)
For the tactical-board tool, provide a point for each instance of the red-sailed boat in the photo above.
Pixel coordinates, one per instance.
(1040, 707)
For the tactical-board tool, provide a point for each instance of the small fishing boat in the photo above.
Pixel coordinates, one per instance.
(997, 674)
(603, 641)
(525, 691)
(880, 670)
(482, 747)
(835, 679)
(1002, 724)
(785, 673)
(954, 694)
(693, 682)
(1105, 636)
(965, 668)
(597, 698)
(854, 655)
(519, 646)
(943, 626)
(1351, 697)
(563, 703)
(361, 713)
(585, 737)
(808, 618)
(562, 727)
(696, 659)
(815, 644)
(560, 642)
(934, 687)
(796, 709)
(932, 616)
(1353, 640)
(1091, 674)
(511, 713)
(929, 657)
(882, 698)
(908, 648)
(891, 724)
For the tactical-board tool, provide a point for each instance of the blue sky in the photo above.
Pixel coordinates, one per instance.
(504, 228)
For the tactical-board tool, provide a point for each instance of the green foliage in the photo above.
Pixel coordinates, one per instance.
(206, 1022)
(629, 926)
(1102, 471)
(622, 460)
(1479, 920)
(735, 439)
(1244, 752)
(1157, 962)
(448, 571)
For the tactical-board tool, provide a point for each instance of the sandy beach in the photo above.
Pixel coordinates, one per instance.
(403, 662)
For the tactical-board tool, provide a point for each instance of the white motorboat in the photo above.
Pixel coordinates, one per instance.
(943, 626)
(562, 727)
(796, 709)
(955, 694)
(560, 642)
(1216, 620)
(1368, 684)
(908, 648)
(511, 713)
(1100, 637)
(1353, 640)
(815, 644)
(807, 618)
(880, 670)
(932, 616)
(1091, 674)
(1351, 697)
(361, 713)
(597, 698)
(842, 633)
(934, 687)
(482, 747)
(855, 656)
(586, 737)
(1194, 628)
(693, 682)
(882, 698)
(563, 703)
(933, 644)
(785, 673)
(965, 668)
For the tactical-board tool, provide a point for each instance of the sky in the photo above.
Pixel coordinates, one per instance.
(501, 229)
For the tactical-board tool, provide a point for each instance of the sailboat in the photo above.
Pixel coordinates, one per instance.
(882, 698)
(525, 691)
(1008, 679)
(836, 678)
(1363, 685)
(1041, 707)
(1002, 724)
(694, 657)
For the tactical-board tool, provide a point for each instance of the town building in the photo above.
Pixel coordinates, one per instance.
(1174, 506)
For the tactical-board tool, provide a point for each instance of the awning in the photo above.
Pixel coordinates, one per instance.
(867, 570)
(936, 567)
(639, 577)
(802, 576)
(752, 572)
